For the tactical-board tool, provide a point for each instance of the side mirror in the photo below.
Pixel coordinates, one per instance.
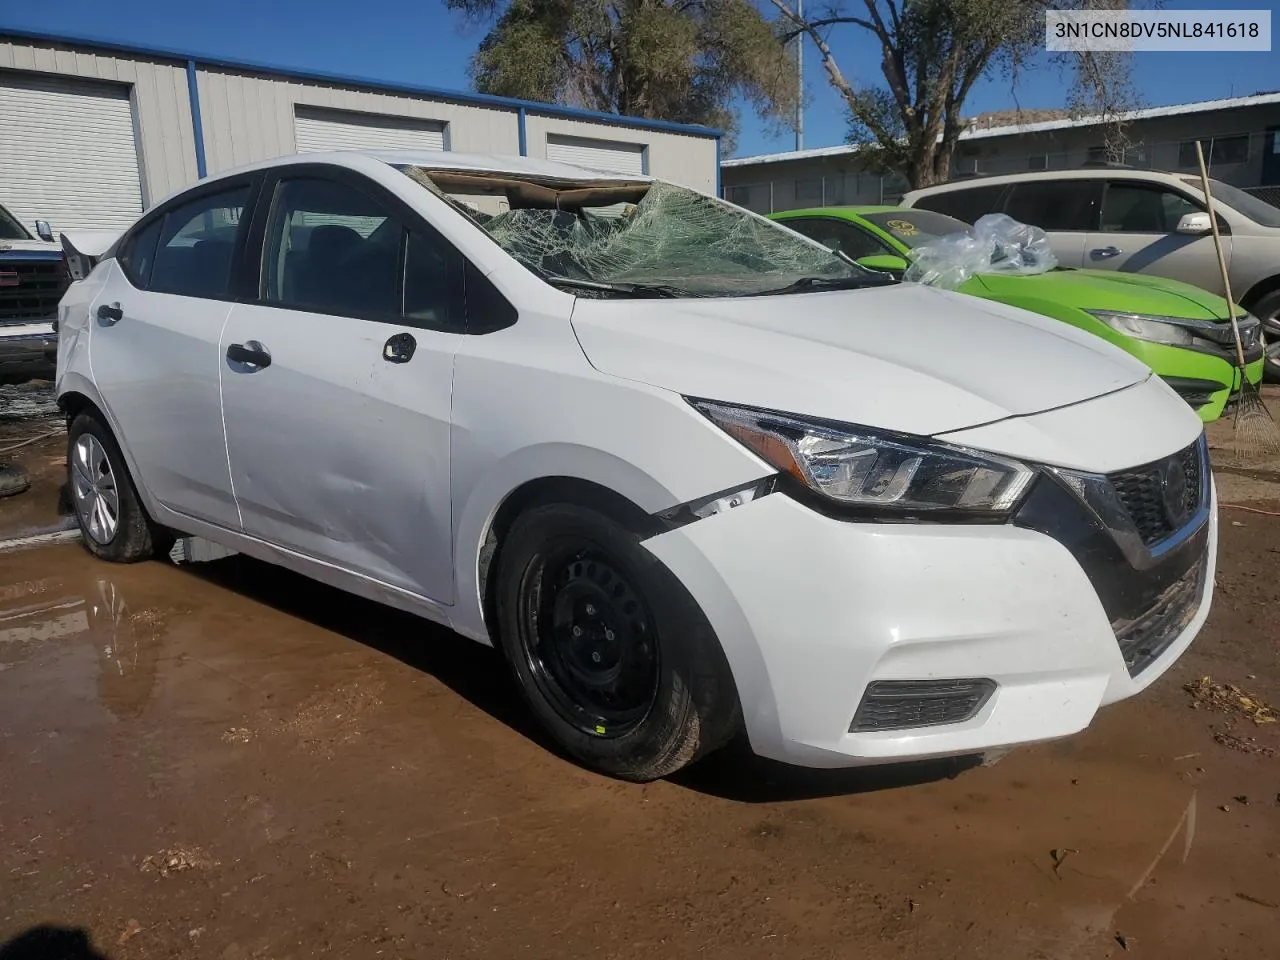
(44, 231)
(884, 262)
(1194, 224)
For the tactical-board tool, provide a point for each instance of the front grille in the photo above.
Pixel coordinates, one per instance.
(1144, 639)
(902, 704)
(1162, 496)
(30, 290)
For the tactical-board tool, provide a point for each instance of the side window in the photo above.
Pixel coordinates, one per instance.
(432, 281)
(850, 240)
(1059, 205)
(1143, 208)
(196, 243)
(968, 204)
(139, 252)
(331, 248)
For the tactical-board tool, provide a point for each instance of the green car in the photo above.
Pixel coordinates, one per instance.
(1181, 332)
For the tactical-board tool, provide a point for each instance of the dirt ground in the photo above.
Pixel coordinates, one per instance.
(227, 761)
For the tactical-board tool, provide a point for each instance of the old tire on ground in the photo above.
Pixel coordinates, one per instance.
(13, 479)
(113, 524)
(614, 657)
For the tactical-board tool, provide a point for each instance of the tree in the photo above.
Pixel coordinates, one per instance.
(680, 60)
(932, 54)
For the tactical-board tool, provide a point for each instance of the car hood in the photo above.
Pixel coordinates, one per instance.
(1107, 290)
(16, 249)
(901, 357)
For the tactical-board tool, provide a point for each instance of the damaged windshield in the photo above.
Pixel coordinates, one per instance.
(640, 239)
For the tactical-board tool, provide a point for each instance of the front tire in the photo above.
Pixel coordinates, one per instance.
(113, 524)
(612, 653)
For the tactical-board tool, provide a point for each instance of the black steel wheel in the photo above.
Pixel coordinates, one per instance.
(613, 655)
(588, 638)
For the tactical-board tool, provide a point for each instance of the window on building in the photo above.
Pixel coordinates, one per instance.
(755, 197)
(1060, 205)
(193, 257)
(809, 192)
(1039, 161)
(1139, 208)
(1217, 150)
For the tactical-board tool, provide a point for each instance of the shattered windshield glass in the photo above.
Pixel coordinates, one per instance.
(643, 238)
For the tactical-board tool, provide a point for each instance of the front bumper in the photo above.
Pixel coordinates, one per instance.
(28, 350)
(811, 609)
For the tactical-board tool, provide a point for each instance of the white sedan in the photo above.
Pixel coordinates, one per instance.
(691, 472)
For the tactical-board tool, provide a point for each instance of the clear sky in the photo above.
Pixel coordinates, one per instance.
(421, 42)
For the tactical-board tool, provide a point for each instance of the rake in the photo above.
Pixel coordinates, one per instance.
(1256, 433)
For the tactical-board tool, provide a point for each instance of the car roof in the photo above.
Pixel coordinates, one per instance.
(1092, 173)
(444, 160)
(433, 159)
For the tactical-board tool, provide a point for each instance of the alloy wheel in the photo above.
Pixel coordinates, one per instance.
(93, 485)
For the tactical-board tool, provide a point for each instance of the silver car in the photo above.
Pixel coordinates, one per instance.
(1138, 221)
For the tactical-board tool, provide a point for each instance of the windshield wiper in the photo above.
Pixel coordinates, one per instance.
(625, 289)
(807, 284)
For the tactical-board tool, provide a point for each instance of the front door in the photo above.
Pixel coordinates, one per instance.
(1137, 235)
(337, 385)
(154, 347)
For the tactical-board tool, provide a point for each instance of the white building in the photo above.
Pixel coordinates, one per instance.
(1241, 138)
(92, 133)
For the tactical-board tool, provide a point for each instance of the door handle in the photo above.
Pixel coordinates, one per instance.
(251, 354)
(399, 348)
(1105, 253)
(110, 313)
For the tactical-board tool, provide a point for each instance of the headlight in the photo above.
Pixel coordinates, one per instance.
(1156, 329)
(872, 470)
(1180, 332)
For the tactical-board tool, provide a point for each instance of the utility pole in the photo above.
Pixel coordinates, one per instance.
(800, 80)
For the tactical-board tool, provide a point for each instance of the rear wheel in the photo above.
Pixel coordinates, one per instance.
(613, 655)
(113, 524)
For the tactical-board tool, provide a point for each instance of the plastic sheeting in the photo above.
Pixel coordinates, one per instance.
(997, 243)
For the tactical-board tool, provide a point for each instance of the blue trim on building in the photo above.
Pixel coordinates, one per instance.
(520, 130)
(197, 126)
(30, 255)
(451, 96)
(719, 183)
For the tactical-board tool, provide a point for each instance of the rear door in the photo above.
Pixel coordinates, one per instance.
(154, 346)
(1137, 235)
(337, 381)
(1066, 209)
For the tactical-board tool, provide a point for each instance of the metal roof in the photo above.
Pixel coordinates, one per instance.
(367, 83)
(1149, 113)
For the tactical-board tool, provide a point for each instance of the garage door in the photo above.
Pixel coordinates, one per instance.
(67, 153)
(319, 130)
(608, 155)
